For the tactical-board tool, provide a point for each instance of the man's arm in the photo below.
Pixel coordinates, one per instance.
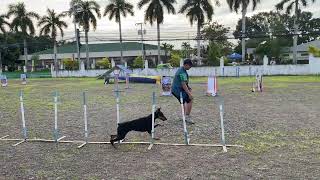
(186, 89)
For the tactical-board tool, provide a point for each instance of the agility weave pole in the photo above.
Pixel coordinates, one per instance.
(153, 110)
(86, 133)
(127, 81)
(258, 84)
(86, 141)
(185, 130)
(223, 140)
(24, 129)
(56, 130)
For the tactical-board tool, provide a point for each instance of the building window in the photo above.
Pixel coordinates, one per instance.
(304, 54)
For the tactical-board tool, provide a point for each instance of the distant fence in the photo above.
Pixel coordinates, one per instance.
(16, 75)
(300, 69)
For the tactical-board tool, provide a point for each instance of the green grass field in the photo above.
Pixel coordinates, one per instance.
(278, 129)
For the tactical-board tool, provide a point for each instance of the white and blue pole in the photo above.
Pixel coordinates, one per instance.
(56, 134)
(86, 133)
(118, 107)
(24, 129)
(223, 140)
(153, 111)
(186, 135)
(153, 119)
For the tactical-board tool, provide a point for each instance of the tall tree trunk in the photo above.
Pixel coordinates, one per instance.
(166, 55)
(198, 42)
(295, 37)
(243, 41)
(121, 49)
(77, 44)
(87, 49)
(25, 54)
(56, 68)
(158, 31)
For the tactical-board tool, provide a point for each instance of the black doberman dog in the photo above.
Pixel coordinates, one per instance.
(142, 124)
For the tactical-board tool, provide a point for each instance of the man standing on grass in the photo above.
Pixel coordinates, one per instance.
(180, 85)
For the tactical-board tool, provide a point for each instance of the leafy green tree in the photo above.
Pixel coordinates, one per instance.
(87, 17)
(138, 62)
(296, 5)
(197, 10)
(235, 6)
(214, 54)
(22, 22)
(155, 12)
(50, 25)
(115, 8)
(175, 59)
(104, 63)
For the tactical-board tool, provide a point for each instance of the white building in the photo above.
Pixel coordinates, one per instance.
(98, 51)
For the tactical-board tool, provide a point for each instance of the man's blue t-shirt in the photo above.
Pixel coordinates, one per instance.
(180, 76)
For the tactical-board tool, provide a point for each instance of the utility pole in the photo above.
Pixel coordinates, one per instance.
(76, 35)
(141, 32)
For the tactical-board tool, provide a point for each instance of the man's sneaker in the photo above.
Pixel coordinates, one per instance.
(188, 120)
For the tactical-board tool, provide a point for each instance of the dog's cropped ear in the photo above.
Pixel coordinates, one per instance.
(159, 109)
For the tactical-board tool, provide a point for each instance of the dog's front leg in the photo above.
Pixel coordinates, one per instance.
(155, 138)
(157, 125)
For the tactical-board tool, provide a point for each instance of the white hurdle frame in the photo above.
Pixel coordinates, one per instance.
(86, 141)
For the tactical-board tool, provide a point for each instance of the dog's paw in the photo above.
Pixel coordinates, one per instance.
(156, 138)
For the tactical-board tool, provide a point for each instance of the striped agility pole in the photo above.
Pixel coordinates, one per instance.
(186, 135)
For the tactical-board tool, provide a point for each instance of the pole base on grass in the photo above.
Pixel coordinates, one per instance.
(83, 143)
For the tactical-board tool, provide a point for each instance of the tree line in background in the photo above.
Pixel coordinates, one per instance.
(278, 26)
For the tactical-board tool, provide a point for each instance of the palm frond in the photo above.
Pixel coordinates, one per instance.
(142, 3)
(185, 6)
(169, 6)
(254, 4)
(304, 3)
(33, 15)
(290, 7)
(280, 5)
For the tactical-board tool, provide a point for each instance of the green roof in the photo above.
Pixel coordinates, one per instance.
(126, 46)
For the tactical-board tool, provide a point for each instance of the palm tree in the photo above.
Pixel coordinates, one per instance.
(196, 10)
(154, 12)
(167, 48)
(50, 24)
(115, 9)
(186, 47)
(85, 17)
(297, 4)
(234, 6)
(22, 21)
(3, 23)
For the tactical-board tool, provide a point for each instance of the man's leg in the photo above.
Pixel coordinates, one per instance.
(187, 108)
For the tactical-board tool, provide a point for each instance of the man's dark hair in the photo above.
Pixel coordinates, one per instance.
(187, 61)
